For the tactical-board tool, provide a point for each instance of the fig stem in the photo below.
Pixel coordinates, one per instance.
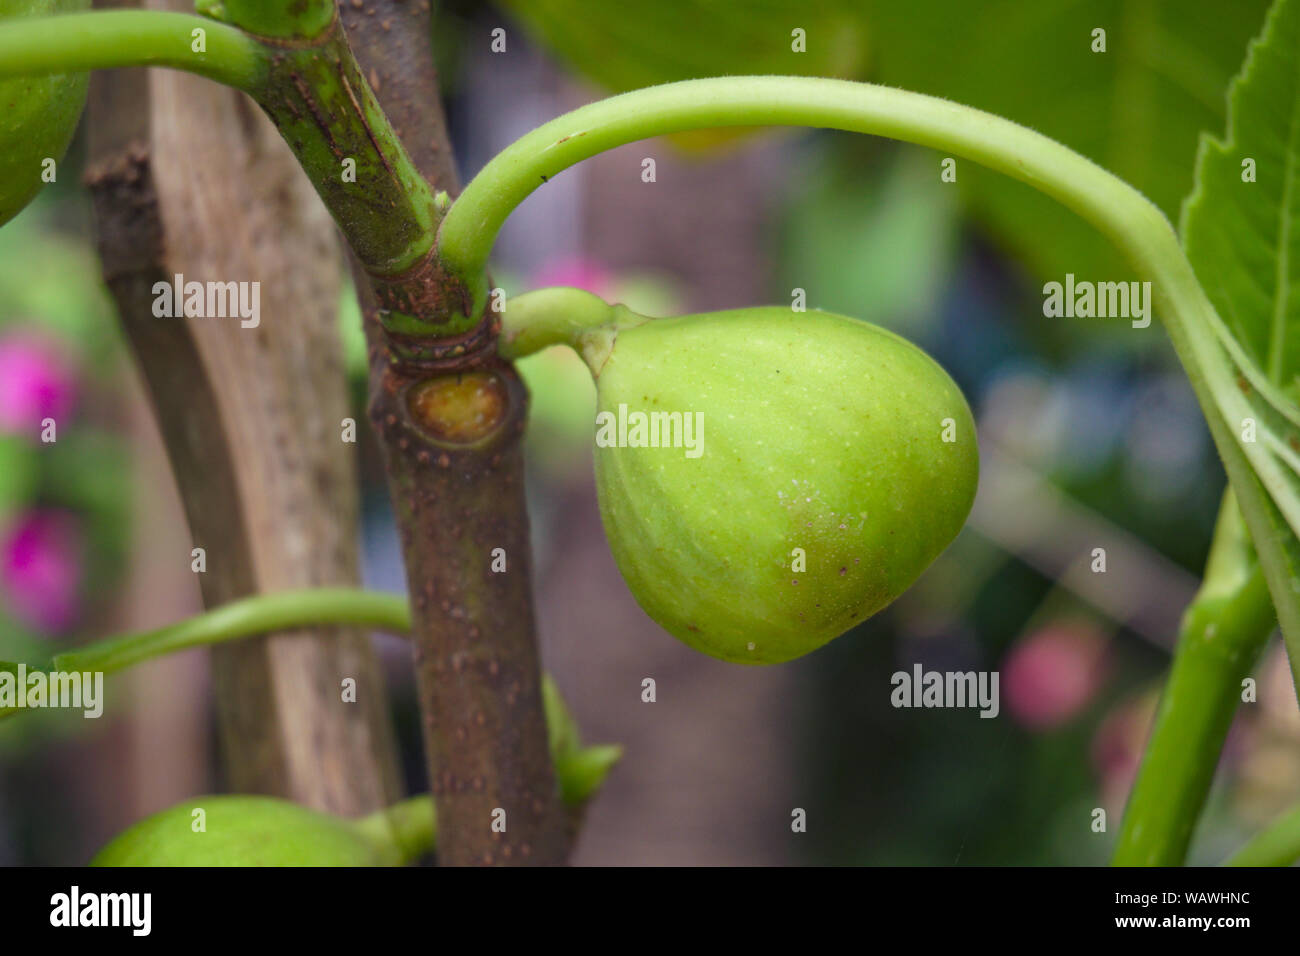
(1278, 844)
(1221, 636)
(75, 42)
(552, 316)
(563, 316)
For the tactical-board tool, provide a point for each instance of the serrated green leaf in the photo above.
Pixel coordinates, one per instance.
(1242, 238)
(1241, 224)
(1136, 109)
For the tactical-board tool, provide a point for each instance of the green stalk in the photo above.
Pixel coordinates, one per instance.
(1222, 634)
(1276, 845)
(471, 225)
(554, 316)
(563, 316)
(262, 614)
(76, 42)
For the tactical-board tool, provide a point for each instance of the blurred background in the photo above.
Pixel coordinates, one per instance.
(1090, 438)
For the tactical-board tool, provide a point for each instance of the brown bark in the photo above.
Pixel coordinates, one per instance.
(474, 635)
(189, 178)
(477, 667)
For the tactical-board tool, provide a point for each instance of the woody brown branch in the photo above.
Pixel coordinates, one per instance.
(474, 639)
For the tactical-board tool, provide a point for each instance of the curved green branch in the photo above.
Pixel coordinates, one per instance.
(75, 42)
(471, 225)
(261, 614)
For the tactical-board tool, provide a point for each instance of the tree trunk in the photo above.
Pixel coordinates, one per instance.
(457, 505)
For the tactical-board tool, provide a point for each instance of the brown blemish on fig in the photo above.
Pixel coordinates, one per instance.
(462, 408)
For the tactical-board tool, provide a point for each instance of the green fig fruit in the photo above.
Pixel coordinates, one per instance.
(769, 479)
(266, 831)
(250, 831)
(38, 115)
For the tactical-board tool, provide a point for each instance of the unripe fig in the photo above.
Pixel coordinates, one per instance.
(249, 831)
(38, 115)
(266, 831)
(823, 464)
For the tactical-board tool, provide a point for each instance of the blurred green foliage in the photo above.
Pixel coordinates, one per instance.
(866, 233)
(1137, 109)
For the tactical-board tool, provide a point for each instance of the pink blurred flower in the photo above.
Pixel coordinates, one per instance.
(36, 382)
(1051, 675)
(1118, 743)
(579, 272)
(40, 569)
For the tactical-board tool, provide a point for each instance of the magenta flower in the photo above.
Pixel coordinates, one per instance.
(36, 382)
(1050, 676)
(576, 271)
(40, 570)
